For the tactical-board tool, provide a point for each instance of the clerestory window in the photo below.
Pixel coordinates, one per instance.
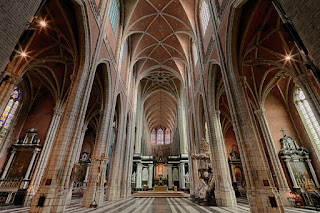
(308, 117)
(114, 13)
(204, 16)
(9, 113)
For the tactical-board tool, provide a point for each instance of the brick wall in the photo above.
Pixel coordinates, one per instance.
(14, 16)
(305, 17)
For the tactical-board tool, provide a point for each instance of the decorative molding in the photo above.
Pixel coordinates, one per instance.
(95, 9)
(222, 8)
(209, 50)
(110, 53)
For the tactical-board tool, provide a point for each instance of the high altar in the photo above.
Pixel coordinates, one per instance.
(160, 175)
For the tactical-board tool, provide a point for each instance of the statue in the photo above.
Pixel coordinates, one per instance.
(187, 177)
(133, 177)
(234, 154)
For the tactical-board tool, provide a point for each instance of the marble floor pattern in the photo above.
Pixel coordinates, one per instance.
(153, 205)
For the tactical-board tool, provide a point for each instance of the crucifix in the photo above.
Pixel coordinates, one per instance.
(283, 131)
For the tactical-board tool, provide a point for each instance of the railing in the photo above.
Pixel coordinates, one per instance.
(78, 189)
(14, 183)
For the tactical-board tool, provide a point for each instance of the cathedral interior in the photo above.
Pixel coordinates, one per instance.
(204, 103)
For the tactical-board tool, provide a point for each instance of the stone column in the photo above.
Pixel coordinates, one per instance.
(284, 189)
(13, 152)
(87, 174)
(256, 169)
(223, 185)
(131, 139)
(294, 182)
(96, 176)
(170, 176)
(32, 161)
(314, 176)
(138, 179)
(181, 175)
(44, 155)
(5, 91)
(232, 172)
(63, 156)
(113, 190)
(150, 177)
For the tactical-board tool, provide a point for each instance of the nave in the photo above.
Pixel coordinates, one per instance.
(155, 205)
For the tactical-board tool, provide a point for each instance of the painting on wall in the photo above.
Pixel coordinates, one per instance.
(301, 174)
(20, 164)
(238, 174)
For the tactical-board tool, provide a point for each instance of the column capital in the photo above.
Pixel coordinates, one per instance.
(243, 80)
(303, 79)
(217, 113)
(13, 78)
(58, 110)
(260, 112)
(36, 151)
(84, 128)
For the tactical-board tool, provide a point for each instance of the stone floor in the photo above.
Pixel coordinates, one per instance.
(153, 205)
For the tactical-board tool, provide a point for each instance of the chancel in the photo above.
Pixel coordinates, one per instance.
(159, 106)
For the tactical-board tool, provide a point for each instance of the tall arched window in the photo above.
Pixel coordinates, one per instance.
(114, 12)
(153, 136)
(204, 15)
(308, 117)
(9, 113)
(124, 51)
(160, 137)
(195, 53)
(167, 136)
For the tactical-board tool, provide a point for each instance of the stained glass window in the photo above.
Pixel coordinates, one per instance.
(114, 14)
(204, 16)
(308, 117)
(160, 137)
(153, 136)
(124, 52)
(167, 136)
(9, 113)
(195, 53)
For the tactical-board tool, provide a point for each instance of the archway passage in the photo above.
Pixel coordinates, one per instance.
(160, 33)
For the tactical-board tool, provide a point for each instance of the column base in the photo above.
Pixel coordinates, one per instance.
(284, 194)
(226, 198)
(93, 196)
(49, 200)
(113, 194)
(259, 201)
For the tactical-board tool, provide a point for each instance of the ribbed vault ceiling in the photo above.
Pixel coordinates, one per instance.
(160, 32)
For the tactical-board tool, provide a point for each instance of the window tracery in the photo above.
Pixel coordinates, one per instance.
(195, 53)
(9, 113)
(160, 137)
(308, 117)
(114, 12)
(153, 136)
(124, 52)
(167, 136)
(204, 16)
